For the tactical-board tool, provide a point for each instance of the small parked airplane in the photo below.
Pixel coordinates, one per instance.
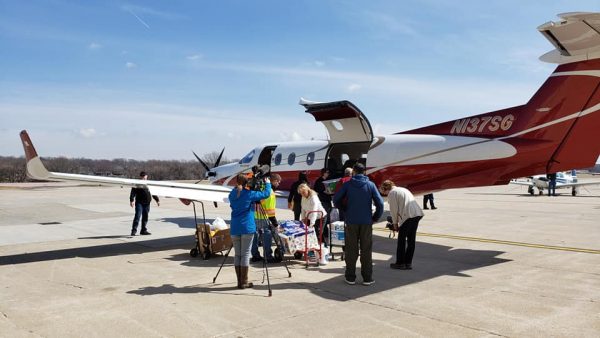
(550, 133)
(563, 180)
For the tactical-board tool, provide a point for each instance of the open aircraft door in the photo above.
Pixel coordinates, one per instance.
(350, 133)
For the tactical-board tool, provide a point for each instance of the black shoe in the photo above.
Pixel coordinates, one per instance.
(271, 260)
(368, 282)
(145, 232)
(426, 208)
(256, 259)
(408, 267)
(433, 208)
(133, 233)
(398, 266)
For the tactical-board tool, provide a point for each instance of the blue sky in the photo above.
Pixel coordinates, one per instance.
(157, 79)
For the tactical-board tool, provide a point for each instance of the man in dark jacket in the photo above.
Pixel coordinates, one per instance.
(294, 198)
(141, 197)
(324, 197)
(360, 194)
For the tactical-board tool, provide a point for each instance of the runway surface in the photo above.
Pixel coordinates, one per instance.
(490, 261)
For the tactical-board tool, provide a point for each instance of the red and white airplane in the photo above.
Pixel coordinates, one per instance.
(555, 131)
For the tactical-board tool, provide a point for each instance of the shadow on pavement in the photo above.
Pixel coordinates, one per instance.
(106, 250)
(431, 261)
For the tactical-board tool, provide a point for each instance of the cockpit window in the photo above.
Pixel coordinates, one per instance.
(247, 158)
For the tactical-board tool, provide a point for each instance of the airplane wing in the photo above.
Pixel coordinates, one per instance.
(576, 184)
(198, 192)
(526, 183)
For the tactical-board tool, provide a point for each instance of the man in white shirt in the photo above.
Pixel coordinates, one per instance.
(406, 214)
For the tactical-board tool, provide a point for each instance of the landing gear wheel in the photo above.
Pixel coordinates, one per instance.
(194, 252)
(574, 192)
(298, 255)
(278, 255)
(530, 191)
(206, 255)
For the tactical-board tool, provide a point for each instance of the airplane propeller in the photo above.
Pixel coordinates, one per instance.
(210, 173)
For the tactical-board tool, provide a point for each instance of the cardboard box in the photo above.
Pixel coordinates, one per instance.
(213, 241)
(203, 237)
(220, 241)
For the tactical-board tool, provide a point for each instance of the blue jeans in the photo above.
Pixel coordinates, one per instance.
(140, 210)
(241, 245)
(551, 188)
(267, 239)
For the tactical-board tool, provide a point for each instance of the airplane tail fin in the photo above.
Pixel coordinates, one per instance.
(554, 129)
(35, 167)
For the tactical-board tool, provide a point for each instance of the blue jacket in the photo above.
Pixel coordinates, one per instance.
(360, 193)
(242, 209)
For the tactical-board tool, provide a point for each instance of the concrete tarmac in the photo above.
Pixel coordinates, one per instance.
(490, 261)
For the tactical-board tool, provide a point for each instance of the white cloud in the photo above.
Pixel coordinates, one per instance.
(130, 65)
(354, 87)
(337, 59)
(94, 45)
(293, 136)
(319, 63)
(194, 57)
(87, 132)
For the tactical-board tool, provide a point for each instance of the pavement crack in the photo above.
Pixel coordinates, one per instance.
(519, 293)
(73, 285)
(4, 314)
(343, 297)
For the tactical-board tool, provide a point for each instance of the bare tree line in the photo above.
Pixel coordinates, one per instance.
(12, 169)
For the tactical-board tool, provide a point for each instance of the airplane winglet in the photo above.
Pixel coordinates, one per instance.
(35, 167)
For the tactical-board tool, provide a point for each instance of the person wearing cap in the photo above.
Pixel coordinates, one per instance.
(141, 198)
(265, 219)
(360, 194)
(406, 214)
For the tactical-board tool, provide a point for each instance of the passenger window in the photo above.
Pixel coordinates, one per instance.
(291, 158)
(277, 159)
(310, 158)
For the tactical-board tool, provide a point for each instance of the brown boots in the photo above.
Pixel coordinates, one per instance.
(242, 277)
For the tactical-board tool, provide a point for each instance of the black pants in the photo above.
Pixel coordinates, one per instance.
(325, 230)
(428, 197)
(407, 234)
(359, 235)
(297, 211)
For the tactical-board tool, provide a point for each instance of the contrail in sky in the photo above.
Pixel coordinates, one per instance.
(139, 19)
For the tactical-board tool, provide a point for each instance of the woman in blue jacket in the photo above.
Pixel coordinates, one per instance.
(243, 227)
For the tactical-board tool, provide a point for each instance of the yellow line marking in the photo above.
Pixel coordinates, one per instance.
(496, 241)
